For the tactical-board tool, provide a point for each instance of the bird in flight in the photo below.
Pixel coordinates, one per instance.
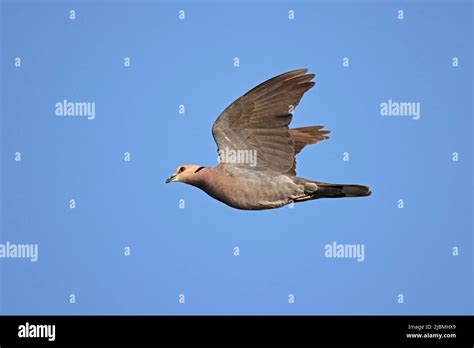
(257, 149)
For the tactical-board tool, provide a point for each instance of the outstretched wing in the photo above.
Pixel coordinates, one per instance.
(306, 136)
(257, 122)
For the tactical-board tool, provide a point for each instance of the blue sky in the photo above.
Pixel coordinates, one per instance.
(189, 251)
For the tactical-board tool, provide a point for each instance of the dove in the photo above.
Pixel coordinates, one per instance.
(258, 170)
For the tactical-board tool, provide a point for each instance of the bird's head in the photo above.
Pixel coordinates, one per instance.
(187, 173)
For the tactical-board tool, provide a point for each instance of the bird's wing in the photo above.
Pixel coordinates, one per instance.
(306, 136)
(258, 122)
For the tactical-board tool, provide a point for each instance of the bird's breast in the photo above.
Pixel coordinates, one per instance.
(250, 192)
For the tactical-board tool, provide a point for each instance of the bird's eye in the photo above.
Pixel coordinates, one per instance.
(181, 169)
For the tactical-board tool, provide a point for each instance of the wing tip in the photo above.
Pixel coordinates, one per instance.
(297, 72)
(302, 71)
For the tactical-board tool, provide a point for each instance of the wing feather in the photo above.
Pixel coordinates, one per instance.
(258, 121)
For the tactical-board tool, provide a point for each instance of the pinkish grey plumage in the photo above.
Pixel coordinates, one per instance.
(258, 123)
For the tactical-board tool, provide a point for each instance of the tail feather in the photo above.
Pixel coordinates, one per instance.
(340, 190)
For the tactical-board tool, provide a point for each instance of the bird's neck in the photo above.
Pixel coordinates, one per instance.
(203, 178)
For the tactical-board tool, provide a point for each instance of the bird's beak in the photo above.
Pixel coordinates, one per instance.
(170, 179)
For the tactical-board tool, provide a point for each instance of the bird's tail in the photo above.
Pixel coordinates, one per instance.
(326, 190)
(315, 190)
